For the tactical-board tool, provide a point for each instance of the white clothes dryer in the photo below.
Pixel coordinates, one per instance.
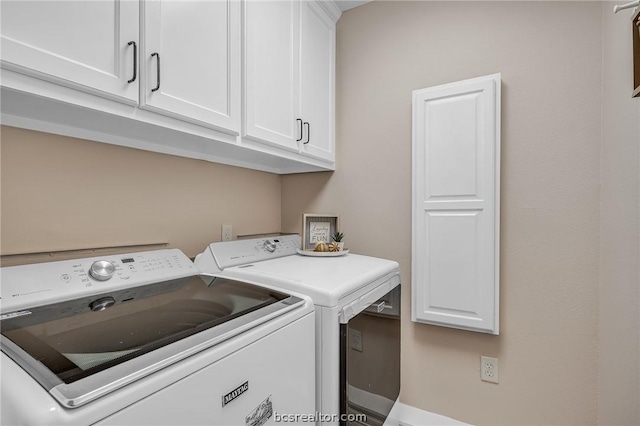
(357, 305)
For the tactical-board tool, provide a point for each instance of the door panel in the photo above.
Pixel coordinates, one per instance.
(271, 72)
(78, 44)
(198, 46)
(317, 46)
(456, 199)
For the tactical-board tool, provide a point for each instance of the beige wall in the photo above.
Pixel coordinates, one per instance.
(550, 57)
(619, 324)
(61, 193)
(570, 204)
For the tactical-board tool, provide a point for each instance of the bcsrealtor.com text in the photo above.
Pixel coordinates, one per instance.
(318, 417)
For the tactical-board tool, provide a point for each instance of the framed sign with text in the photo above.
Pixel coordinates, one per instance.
(317, 228)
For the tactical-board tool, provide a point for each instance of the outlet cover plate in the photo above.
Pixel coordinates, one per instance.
(227, 232)
(489, 369)
(355, 340)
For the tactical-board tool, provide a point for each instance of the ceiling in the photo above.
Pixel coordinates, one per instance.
(350, 4)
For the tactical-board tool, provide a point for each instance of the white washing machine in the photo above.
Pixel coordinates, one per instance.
(357, 305)
(143, 338)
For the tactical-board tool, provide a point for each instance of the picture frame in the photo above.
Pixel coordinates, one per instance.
(316, 228)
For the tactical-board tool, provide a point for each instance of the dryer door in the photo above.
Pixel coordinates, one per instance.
(370, 362)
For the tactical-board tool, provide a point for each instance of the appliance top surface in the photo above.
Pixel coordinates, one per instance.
(326, 279)
(276, 262)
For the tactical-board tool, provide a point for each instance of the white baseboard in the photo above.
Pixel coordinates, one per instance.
(406, 415)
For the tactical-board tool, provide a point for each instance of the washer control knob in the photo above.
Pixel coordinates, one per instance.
(102, 304)
(102, 270)
(269, 245)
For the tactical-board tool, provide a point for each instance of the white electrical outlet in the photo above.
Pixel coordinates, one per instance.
(489, 369)
(355, 338)
(227, 232)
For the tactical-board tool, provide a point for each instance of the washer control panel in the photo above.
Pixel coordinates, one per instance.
(241, 252)
(38, 284)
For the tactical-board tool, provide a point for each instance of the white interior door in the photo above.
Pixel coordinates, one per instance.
(271, 72)
(192, 61)
(456, 199)
(317, 70)
(80, 44)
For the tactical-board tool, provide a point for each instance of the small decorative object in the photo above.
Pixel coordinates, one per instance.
(312, 253)
(318, 228)
(321, 246)
(334, 246)
(337, 239)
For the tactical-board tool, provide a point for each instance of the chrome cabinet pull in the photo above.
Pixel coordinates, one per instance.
(308, 132)
(157, 69)
(135, 61)
(300, 121)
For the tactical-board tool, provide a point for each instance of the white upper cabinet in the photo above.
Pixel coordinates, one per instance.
(168, 76)
(271, 54)
(289, 75)
(86, 45)
(317, 81)
(191, 61)
(456, 205)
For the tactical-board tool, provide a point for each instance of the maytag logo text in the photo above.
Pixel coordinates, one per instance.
(235, 393)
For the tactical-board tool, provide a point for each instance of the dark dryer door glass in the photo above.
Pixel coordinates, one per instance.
(370, 362)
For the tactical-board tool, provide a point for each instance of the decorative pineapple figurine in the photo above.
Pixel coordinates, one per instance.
(337, 244)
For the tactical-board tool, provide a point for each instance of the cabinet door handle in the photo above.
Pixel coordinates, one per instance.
(157, 70)
(300, 121)
(135, 61)
(308, 132)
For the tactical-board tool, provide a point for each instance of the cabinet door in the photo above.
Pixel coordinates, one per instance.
(317, 88)
(456, 204)
(272, 72)
(192, 61)
(80, 44)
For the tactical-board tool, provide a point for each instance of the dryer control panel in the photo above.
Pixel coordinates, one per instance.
(222, 255)
(38, 284)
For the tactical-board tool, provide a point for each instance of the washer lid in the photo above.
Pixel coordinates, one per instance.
(325, 279)
(81, 349)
